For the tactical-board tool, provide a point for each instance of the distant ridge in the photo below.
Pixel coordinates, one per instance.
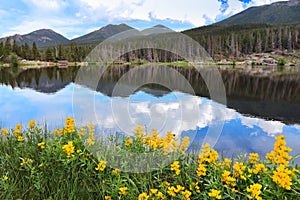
(42, 37)
(102, 34)
(284, 12)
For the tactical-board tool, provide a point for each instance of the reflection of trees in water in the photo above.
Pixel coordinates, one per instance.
(281, 87)
(47, 80)
(272, 96)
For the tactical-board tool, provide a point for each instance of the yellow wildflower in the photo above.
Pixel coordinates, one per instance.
(123, 191)
(108, 197)
(90, 141)
(175, 167)
(101, 165)
(69, 149)
(143, 196)
(41, 165)
(280, 154)
(139, 131)
(239, 170)
(194, 186)
(20, 138)
(5, 178)
(227, 179)
(56, 132)
(115, 171)
(186, 194)
(160, 195)
(18, 126)
(215, 193)
(82, 131)
(17, 132)
(41, 145)
(253, 158)
(255, 191)
(283, 177)
(201, 170)
(4, 131)
(31, 123)
(153, 191)
(128, 142)
(227, 162)
(69, 125)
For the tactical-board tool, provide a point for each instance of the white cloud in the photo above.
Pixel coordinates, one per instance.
(262, 2)
(191, 11)
(270, 127)
(67, 17)
(46, 5)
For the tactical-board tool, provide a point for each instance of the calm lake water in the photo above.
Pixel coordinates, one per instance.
(260, 105)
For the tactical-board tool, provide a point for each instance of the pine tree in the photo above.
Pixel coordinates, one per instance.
(7, 48)
(35, 52)
(49, 55)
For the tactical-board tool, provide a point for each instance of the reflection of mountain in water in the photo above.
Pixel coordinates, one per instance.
(273, 96)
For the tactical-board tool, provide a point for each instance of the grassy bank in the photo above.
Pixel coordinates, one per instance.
(37, 164)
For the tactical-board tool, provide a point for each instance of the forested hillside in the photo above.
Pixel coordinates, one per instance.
(237, 40)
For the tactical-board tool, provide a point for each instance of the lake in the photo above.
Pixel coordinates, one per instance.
(261, 103)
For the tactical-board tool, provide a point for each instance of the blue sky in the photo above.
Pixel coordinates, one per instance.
(74, 18)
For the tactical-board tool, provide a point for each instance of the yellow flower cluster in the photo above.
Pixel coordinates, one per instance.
(101, 165)
(82, 131)
(153, 140)
(20, 138)
(179, 190)
(123, 191)
(4, 131)
(280, 154)
(31, 123)
(69, 149)
(175, 167)
(195, 187)
(5, 178)
(17, 131)
(207, 155)
(154, 193)
(283, 177)
(227, 179)
(143, 196)
(91, 131)
(41, 145)
(255, 191)
(239, 168)
(115, 172)
(259, 167)
(56, 132)
(253, 158)
(215, 193)
(26, 161)
(69, 126)
(128, 142)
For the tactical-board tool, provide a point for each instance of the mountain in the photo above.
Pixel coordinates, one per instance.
(285, 12)
(42, 38)
(102, 34)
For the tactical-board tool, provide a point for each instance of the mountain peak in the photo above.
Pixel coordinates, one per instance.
(42, 37)
(282, 12)
(103, 33)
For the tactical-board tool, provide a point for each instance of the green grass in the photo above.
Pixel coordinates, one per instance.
(62, 166)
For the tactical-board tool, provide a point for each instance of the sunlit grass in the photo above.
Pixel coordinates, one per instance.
(36, 164)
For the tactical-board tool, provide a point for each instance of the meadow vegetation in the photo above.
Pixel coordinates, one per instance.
(38, 164)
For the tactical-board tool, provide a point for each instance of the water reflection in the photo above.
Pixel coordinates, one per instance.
(46, 96)
(268, 94)
(240, 133)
